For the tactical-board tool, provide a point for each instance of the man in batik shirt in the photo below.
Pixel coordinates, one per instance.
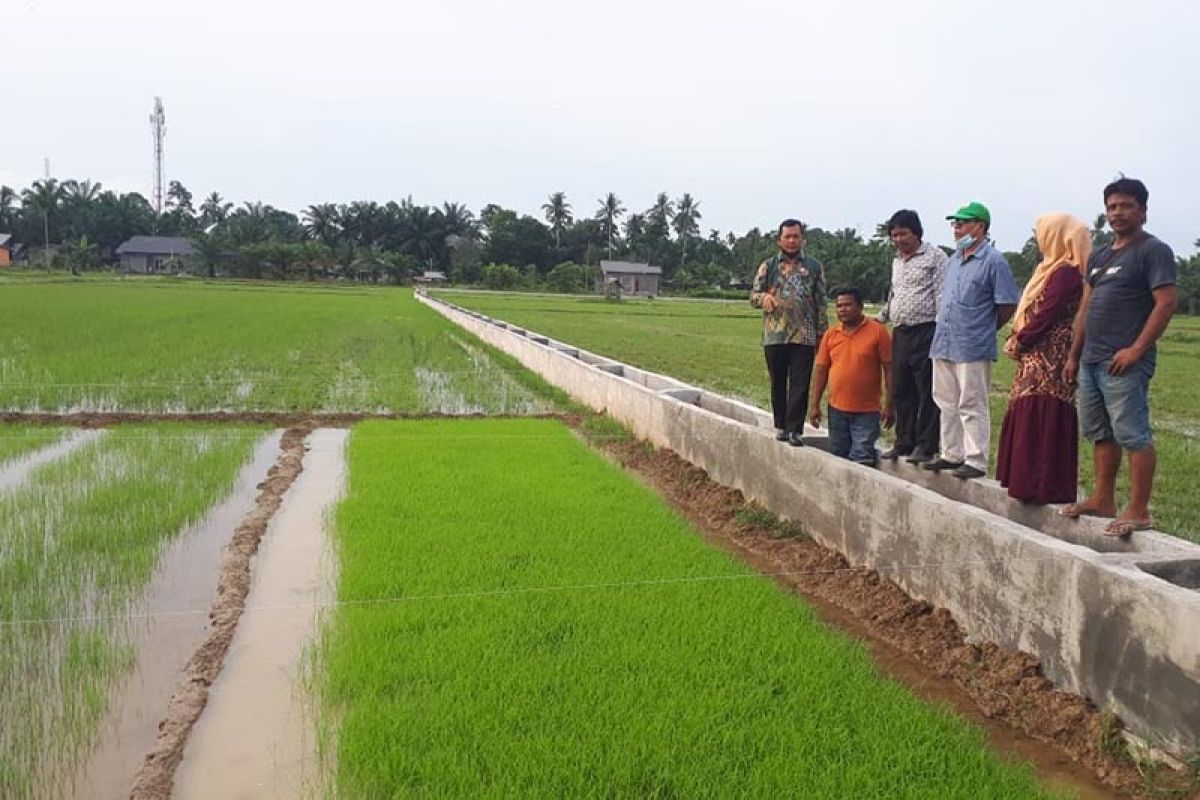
(790, 289)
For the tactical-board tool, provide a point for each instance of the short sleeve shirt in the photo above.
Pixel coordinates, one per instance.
(855, 359)
(966, 322)
(1122, 284)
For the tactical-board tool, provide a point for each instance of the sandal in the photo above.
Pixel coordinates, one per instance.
(1077, 510)
(1124, 527)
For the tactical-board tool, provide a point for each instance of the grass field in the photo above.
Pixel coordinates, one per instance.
(161, 345)
(580, 640)
(717, 345)
(77, 545)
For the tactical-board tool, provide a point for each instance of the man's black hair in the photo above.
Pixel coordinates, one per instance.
(906, 218)
(790, 223)
(853, 291)
(1130, 187)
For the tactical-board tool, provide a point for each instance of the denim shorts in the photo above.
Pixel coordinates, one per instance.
(1116, 406)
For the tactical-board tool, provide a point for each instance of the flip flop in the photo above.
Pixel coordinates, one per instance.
(1077, 510)
(1124, 527)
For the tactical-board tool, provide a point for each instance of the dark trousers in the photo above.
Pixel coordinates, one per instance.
(917, 417)
(790, 367)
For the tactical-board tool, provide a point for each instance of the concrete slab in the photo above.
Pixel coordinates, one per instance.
(1118, 623)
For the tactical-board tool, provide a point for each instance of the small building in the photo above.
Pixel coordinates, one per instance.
(429, 277)
(147, 255)
(6, 249)
(633, 278)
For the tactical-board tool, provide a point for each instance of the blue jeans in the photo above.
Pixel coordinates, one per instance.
(852, 435)
(1116, 406)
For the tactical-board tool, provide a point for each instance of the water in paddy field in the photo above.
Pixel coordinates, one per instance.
(255, 737)
(15, 473)
(175, 607)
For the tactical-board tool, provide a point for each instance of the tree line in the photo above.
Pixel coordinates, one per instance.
(84, 223)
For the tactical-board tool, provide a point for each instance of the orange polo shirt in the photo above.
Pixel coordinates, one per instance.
(855, 359)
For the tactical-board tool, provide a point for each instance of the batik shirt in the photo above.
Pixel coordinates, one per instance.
(799, 286)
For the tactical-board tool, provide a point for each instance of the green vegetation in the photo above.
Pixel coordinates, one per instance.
(579, 639)
(173, 346)
(77, 546)
(20, 440)
(716, 345)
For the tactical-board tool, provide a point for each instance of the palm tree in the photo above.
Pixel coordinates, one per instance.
(44, 197)
(610, 211)
(558, 214)
(81, 191)
(8, 200)
(687, 214)
(214, 209)
(323, 223)
(459, 221)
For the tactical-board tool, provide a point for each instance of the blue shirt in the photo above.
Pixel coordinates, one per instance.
(971, 290)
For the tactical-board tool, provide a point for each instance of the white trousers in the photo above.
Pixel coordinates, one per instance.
(961, 393)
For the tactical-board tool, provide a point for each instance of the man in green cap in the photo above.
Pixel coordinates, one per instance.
(978, 297)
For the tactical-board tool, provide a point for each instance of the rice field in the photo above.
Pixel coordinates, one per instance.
(171, 346)
(78, 543)
(716, 344)
(20, 440)
(579, 639)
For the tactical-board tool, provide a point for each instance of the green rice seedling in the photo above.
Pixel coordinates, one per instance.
(169, 347)
(20, 440)
(78, 543)
(519, 618)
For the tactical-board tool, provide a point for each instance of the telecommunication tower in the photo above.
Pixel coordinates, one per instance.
(158, 129)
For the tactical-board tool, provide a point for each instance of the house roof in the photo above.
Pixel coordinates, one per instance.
(431, 275)
(4, 239)
(156, 246)
(629, 268)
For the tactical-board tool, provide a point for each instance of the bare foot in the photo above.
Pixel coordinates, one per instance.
(1088, 508)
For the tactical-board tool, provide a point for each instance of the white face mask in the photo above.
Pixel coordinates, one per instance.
(965, 242)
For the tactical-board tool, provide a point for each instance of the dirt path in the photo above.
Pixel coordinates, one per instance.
(16, 472)
(1070, 743)
(154, 779)
(255, 737)
(166, 633)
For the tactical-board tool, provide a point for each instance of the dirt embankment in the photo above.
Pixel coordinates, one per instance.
(1005, 686)
(154, 779)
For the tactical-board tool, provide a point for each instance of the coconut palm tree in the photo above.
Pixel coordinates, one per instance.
(44, 198)
(609, 212)
(558, 214)
(687, 215)
(459, 221)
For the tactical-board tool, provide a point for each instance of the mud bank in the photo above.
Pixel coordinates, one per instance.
(255, 736)
(156, 775)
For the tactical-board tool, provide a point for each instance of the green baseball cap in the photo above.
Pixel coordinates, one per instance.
(973, 210)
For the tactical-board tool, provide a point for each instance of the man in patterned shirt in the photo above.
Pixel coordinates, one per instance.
(911, 308)
(790, 289)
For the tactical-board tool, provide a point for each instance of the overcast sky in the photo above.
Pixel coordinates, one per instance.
(836, 112)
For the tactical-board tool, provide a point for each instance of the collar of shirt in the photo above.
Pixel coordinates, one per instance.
(921, 250)
(982, 253)
(851, 331)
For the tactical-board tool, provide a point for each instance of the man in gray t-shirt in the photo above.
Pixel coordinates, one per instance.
(1128, 300)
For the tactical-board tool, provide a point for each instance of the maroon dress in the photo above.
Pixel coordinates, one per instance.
(1038, 461)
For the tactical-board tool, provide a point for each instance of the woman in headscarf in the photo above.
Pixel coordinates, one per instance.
(1039, 449)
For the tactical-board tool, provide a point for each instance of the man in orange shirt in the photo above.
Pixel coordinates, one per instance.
(855, 359)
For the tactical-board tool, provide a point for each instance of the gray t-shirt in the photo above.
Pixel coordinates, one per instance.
(1122, 282)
